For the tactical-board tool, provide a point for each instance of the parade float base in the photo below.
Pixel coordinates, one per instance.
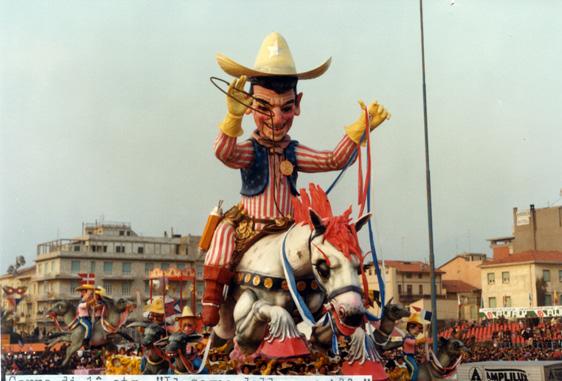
(511, 371)
(213, 377)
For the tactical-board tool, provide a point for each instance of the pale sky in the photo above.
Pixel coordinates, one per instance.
(106, 111)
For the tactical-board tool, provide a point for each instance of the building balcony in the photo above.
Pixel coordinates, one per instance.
(55, 276)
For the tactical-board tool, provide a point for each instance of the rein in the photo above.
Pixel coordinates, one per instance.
(438, 367)
(185, 362)
(109, 327)
(66, 328)
(158, 352)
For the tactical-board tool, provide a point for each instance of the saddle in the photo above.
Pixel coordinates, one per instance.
(246, 232)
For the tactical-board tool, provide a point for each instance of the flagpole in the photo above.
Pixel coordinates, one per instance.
(428, 191)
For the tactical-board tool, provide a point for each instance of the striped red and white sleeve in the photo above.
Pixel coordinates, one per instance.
(232, 154)
(311, 160)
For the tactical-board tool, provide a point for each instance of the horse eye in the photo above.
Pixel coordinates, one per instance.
(323, 268)
(359, 270)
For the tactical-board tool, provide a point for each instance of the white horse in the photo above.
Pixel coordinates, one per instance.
(323, 253)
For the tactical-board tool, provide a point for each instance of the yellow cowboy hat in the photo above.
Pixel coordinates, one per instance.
(415, 318)
(274, 59)
(186, 313)
(101, 291)
(156, 307)
(85, 287)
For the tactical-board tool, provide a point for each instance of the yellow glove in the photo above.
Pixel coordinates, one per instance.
(232, 122)
(377, 115)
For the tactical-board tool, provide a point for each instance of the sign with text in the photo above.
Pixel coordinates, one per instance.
(520, 312)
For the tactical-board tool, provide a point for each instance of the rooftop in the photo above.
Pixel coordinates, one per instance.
(554, 257)
(410, 266)
(458, 286)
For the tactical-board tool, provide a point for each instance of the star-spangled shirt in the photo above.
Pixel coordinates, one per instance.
(275, 201)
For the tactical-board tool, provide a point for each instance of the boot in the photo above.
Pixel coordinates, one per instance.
(215, 278)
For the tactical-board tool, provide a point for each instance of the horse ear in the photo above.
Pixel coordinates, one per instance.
(317, 222)
(390, 300)
(361, 221)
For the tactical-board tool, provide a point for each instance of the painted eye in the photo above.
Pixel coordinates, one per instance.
(323, 268)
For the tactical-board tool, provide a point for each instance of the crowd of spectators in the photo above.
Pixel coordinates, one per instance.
(523, 341)
(50, 362)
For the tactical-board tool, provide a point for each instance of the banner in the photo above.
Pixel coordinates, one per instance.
(520, 312)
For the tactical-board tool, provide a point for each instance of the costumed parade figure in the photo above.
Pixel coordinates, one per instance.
(156, 311)
(84, 310)
(270, 160)
(414, 327)
(99, 303)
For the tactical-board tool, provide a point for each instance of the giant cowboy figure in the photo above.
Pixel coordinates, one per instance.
(269, 161)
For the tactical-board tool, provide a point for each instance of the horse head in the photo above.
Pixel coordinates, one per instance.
(61, 308)
(177, 344)
(152, 333)
(394, 311)
(335, 257)
(452, 347)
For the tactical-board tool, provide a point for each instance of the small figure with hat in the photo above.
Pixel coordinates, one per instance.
(99, 303)
(156, 310)
(187, 322)
(414, 328)
(84, 309)
(270, 160)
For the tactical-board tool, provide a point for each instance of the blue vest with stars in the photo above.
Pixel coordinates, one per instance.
(256, 177)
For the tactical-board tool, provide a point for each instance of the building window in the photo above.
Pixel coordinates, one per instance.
(408, 275)
(420, 275)
(546, 275)
(180, 265)
(93, 266)
(560, 276)
(73, 286)
(76, 248)
(505, 277)
(126, 289)
(121, 232)
(119, 249)
(108, 286)
(409, 289)
(75, 266)
(108, 267)
(399, 289)
(105, 248)
(547, 300)
(165, 266)
(492, 302)
(126, 267)
(507, 301)
(421, 289)
(140, 250)
(146, 287)
(491, 278)
(148, 267)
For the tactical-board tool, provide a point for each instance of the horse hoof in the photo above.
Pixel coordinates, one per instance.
(289, 347)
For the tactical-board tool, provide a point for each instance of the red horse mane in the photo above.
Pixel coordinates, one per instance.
(340, 232)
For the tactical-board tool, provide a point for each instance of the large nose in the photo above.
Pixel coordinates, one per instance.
(277, 117)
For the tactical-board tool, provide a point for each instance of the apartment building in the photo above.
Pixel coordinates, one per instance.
(121, 261)
(528, 279)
